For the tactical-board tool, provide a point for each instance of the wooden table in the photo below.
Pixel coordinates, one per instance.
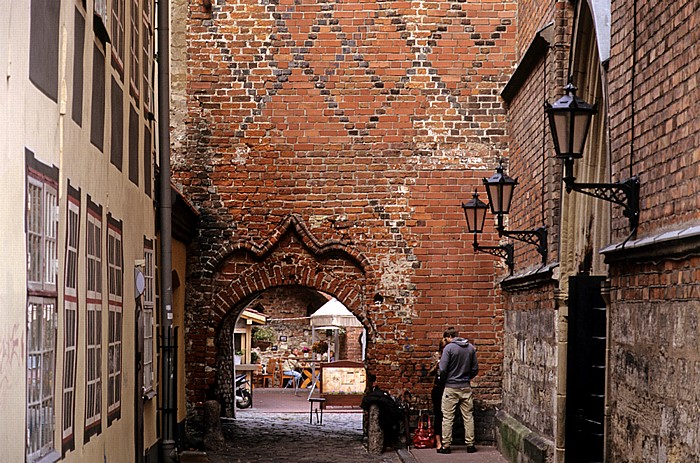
(247, 369)
(308, 376)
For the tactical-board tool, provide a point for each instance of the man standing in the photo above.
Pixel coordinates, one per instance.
(457, 367)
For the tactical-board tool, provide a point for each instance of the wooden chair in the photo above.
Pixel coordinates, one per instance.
(270, 373)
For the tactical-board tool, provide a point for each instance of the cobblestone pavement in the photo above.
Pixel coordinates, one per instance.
(273, 437)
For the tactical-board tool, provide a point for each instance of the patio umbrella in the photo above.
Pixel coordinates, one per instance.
(333, 314)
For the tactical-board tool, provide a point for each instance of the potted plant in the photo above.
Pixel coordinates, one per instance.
(263, 337)
(238, 357)
(320, 347)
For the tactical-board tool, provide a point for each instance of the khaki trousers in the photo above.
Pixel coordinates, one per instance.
(452, 398)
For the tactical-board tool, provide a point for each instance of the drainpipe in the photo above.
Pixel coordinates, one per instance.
(168, 451)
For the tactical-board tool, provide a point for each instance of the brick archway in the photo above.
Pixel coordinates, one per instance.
(224, 384)
(241, 271)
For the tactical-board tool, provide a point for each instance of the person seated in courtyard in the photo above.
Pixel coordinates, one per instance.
(291, 367)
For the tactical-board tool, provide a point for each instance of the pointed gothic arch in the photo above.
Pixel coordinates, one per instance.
(239, 272)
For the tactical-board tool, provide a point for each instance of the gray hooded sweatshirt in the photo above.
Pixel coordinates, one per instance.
(458, 363)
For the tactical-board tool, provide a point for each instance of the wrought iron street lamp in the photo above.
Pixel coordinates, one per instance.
(499, 188)
(569, 121)
(475, 214)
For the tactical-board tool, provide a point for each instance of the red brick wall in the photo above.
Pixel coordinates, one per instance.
(536, 200)
(533, 15)
(366, 120)
(666, 135)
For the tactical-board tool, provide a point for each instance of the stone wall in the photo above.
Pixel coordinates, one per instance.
(530, 368)
(655, 363)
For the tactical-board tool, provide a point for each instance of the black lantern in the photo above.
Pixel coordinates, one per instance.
(569, 121)
(475, 213)
(499, 188)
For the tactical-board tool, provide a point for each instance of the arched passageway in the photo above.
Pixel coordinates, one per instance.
(291, 261)
(288, 312)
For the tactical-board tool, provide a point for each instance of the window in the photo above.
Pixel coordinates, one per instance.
(117, 152)
(148, 305)
(101, 21)
(70, 322)
(78, 52)
(146, 61)
(42, 261)
(147, 161)
(100, 8)
(133, 145)
(93, 361)
(42, 228)
(41, 362)
(117, 34)
(43, 46)
(115, 276)
(97, 109)
(134, 49)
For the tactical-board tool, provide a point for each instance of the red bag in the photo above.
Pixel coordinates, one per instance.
(424, 437)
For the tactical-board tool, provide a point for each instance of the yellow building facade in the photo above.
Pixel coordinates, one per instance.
(79, 319)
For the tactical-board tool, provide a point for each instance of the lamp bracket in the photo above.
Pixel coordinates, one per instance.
(536, 237)
(625, 194)
(504, 251)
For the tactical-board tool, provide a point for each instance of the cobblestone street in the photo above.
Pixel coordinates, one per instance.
(270, 437)
(276, 428)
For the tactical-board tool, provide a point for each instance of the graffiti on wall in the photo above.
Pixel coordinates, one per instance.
(11, 352)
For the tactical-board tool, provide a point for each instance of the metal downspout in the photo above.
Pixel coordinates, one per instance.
(168, 451)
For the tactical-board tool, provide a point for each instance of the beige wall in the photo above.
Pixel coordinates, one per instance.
(12, 270)
(31, 120)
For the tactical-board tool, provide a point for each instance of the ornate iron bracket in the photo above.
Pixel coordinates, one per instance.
(625, 194)
(536, 237)
(504, 251)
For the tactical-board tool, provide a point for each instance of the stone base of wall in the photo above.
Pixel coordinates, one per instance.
(518, 444)
(484, 423)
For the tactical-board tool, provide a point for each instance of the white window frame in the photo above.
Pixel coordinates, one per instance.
(146, 54)
(118, 31)
(114, 363)
(135, 47)
(42, 233)
(70, 321)
(148, 311)
(41, 365)
(42, 268)
(100, 8)
(93, 328)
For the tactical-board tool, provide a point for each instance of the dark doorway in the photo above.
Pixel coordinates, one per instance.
(585, 398)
